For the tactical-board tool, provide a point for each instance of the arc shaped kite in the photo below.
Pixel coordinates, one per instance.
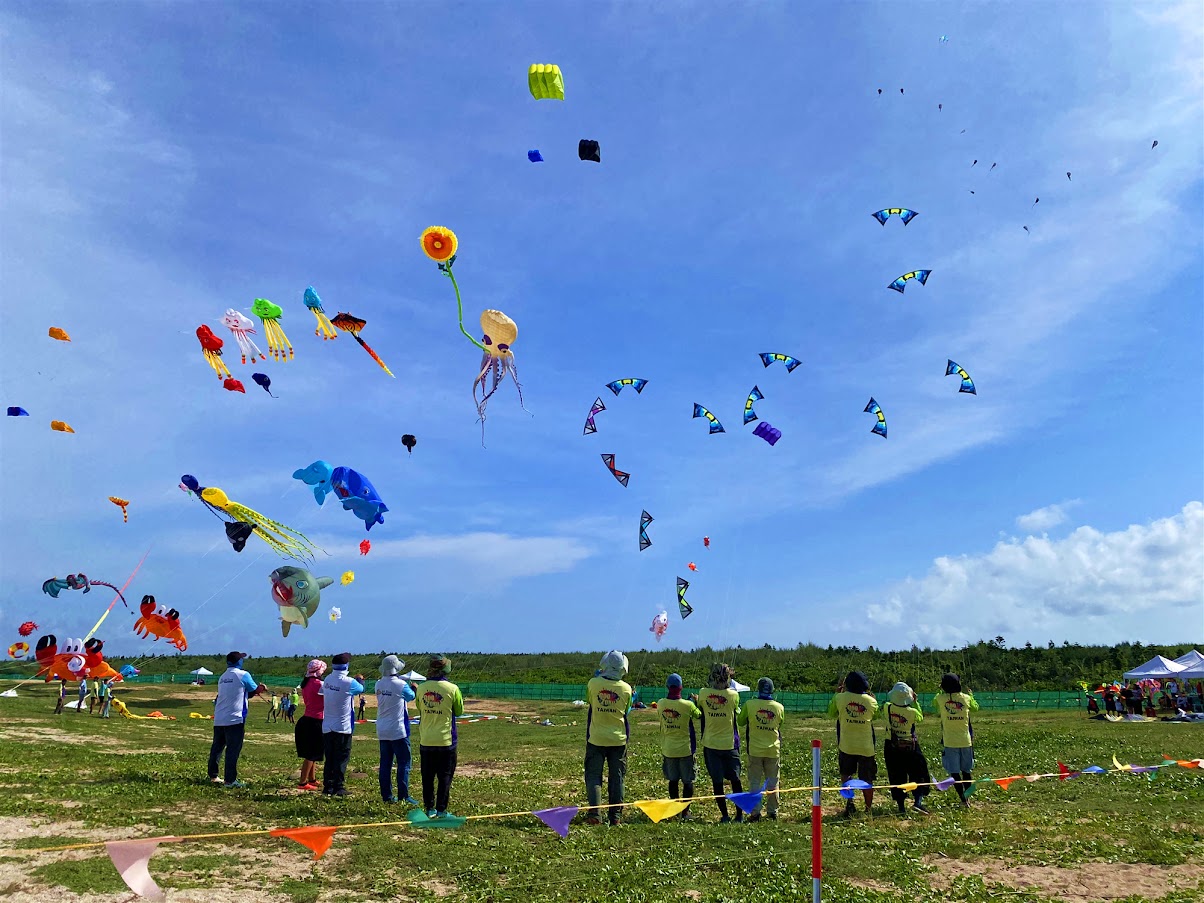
(768, 357)
(967, 384)
(876, 409)
(754, 396)
(766, 430)
(645, 520)
(243, 328)
(617, 385)
(920, 275)
(621, 476)
(325, 328)
(887, 212)
(270, 315)
(684, 608)
(353, 325)
(716, 426)
(595, 409)
(211, 347)
(124, 505)
(545, 81)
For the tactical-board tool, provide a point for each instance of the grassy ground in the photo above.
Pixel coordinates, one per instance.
(72, 778)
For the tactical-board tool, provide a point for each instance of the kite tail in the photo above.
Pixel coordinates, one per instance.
(518, 385)
(325, 328)
(373, 355)
(112, 587)
(460, 308)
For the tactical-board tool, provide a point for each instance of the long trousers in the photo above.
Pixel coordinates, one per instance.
(438, 764)
(228, 737)
(336, 748)
(614, 758)
(764, 770)
(398, 750)
(905, 764)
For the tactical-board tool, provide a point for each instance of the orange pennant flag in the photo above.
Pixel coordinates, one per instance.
(130, 858)
(1191, 763)
(317, 839)
(659, 810)
(1005, 783)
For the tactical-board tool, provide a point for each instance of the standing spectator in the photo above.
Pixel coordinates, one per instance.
(307, 735)
(720, 705)
(957, 733)
(83, 695)
(107, 694)
(93, 695)
(294, 700)
(273, 708)
(854, 708)
(763, 717)
(608, 698)
(339, 690)
(58, 709)
(234, 688)
(360, 711)
(393, 729)
(1109, 701)
(678, 741)
(439, 702)
(905, 760)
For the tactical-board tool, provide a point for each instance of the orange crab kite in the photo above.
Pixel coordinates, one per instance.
(164, 623)
(74, 660)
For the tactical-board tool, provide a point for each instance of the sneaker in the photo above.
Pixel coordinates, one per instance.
(412, 801)
(440, 814)
(216, 781)
(726, 819)
(902, 809)
(235, 784)
(686, 816)
(615, 822)
(430, 813)
(920, 807)
(311, 786)
(340, 792)
(593, 820)
(849, 811)
(389, 799)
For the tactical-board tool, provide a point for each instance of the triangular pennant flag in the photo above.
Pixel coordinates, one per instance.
(1093, 769)
(970, 787)
(1120, 767)
(1065, 773)
(945, 784)
(908, 787)
(419, 819)
(659, 810)
(317, 839)
(749, 799)
(1032, 778)
(1143, 769)
(852, 784)
(130, 858)
(1191, 763)
(1005, 783)
(557, 819)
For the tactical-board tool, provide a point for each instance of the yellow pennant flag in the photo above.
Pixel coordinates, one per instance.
(908, 787)
(1120, 767)
(659, 810)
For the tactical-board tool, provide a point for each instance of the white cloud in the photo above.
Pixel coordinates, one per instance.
(1044, 518)
(1096, 587)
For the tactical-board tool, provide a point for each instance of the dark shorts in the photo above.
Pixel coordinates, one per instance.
(679, 768)
(308, 737)
(864, 767)
(722, 764)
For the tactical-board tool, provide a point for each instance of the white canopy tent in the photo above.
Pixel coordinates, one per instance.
(1193, 664)
(201, 672)
(739, 687)
(1158, 667)
(412, 675)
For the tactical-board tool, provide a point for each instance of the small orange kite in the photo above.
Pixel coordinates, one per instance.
(60, 334)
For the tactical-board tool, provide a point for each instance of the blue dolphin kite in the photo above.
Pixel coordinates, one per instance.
(318, 476)
(358, 496)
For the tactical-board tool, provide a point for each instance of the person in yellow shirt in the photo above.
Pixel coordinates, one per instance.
(608, 698)
(439, 702)
(905, 760)
(957, 733)
(678, 741)
(720, 705)
(762, 718)
(854, 708)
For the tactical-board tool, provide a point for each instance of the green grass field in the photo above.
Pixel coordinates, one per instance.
(75, 778)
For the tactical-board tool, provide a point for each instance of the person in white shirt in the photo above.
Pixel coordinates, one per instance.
(393, 729)
(339, 690)
(234, 688)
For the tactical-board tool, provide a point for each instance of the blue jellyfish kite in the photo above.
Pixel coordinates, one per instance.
(876, 409)
(967, 384)
(898, 284)
(902, 212)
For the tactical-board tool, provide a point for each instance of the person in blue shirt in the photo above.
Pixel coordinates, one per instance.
(234, 688)
(393, 729)
(339, 690)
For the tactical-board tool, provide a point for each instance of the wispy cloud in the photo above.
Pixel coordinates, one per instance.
(1045, 518)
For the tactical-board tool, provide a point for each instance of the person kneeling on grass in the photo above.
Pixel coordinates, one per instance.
(608, 698)
(678, 741)
(854, 708)
(393, 729)
(339, 690)
(439, 702)
(720, 705)
(957, 733)
(905, 760)
(762, 717)
(234, 688)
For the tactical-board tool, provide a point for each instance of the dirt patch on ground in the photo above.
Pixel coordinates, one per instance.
(497, 707)
(1089, 881)
(483, 770)
(439, 888)
(115, 745)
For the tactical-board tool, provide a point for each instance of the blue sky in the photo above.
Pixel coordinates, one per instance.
(164, 162)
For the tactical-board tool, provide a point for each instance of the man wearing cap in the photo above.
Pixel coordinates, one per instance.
(854, 709)
(720, 739)
(608, 698)
(338, 692)
(393, 729)
(234, 688)
(439, 702)
(678, 741)
(762, 718)
(905, 762)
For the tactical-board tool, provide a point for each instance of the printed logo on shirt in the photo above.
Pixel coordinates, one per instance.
(953, 708)
(609, 697)
(854, 710)
(766, 717)
(898, 721)
(432, 698)
(670, 716)
(719, 701)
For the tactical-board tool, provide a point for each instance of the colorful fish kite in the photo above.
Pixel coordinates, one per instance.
(60, 426)
(123, 505)
(18, 412)
(234, 385)
(645, 520)
(263, 381)
(609, 461)
(768, 358)
(876, 409)
(766, 430)
(589, 151)
(898, 284)
(683, 607)
(902, 212)
(618, 384)
(365, 546)
(409, 442)
(749, 414)
(545, 81)
(211, 347)
(270, 315)
(243, 328)
(61, 334)
(967, 383)
(314, 303)
(353, 325)
(595, 409)
(716, 426)
(659, 625)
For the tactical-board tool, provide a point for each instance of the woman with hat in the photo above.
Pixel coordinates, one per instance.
(393, 729)
(957, 733)
(439, 702)
(608, 700)
(720, 705)
(307, 735)
(854, 709)
(905, 762)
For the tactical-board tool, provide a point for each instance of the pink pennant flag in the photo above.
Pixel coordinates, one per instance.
(316, 839)
(130, 858)
(557, 819)
(1032, 778)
